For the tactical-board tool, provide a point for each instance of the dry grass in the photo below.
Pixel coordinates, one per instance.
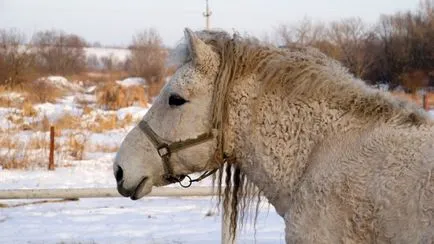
(87, 110)
(94, 78)
(105, 148)
(17, 154)
(41, 91)
(15, 159)
(8, 142)
(38, 142)
(127, 120)
(109, 122)
(155, 88)
(113, 96)
(11, 101)
(67, 121)
(16, 119)
(29, 110)
(104, 123)
(14, 155)
(76, 145)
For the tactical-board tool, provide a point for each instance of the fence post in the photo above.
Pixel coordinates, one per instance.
(425, 101)
(51, 156)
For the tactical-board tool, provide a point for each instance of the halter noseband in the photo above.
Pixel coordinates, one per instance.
(165, 150)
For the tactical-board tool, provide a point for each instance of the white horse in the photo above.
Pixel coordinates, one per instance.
(340, 162)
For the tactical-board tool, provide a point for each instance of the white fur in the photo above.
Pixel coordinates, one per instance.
(342, 163)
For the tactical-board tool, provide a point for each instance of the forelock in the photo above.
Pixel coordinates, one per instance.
(181, 55)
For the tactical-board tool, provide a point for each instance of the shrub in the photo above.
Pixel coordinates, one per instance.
(15, 60)
(59, 53)
(42, 91)
(76, 145)
(113, 96)
(67, 121)
(148, 58)
(29, 110)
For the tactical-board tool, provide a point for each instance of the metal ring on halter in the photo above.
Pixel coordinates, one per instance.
(188, 184)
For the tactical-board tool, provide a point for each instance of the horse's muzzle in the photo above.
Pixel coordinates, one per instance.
(124, 192)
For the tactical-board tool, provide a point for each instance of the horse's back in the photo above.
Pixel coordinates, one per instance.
(402, 186)
(372, 186)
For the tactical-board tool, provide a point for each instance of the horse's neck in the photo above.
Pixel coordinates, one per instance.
(273, 137)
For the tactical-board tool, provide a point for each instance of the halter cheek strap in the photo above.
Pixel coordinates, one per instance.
(165, 151)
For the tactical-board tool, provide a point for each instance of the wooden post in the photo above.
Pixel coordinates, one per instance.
(51, 156)
(425, 101)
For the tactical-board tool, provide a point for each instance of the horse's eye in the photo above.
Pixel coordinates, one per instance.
(176, 100)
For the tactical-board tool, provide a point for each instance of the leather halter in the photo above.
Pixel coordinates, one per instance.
(165, 150)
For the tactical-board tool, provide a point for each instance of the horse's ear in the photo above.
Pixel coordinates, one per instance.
(200, 52)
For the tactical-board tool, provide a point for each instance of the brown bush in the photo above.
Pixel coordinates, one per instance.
(42, 91)
(45, 124)
(67, 121)
(59, 53)
(109, 122)
(76, 145)
(98, 77)
(16, 155)
(8, 142)
(29, 110)
(38, 142)
(104, 148)
(16, 61)
(87, 110)
(16, 159)
(104, 123)
(113, 96)
(9, 100)
(148, 57)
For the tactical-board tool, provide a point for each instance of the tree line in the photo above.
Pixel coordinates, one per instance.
(54, 52)
(398, 49)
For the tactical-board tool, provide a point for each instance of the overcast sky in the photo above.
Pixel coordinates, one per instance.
(113, 22)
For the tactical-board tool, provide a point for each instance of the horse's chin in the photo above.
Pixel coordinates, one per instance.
(142, 189)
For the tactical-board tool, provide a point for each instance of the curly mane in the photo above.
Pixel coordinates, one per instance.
(295, 71)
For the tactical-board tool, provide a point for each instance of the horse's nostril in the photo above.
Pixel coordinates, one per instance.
(119, 174)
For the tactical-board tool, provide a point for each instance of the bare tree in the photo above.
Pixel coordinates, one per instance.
(148, 59)
(59, 53)
(15, 58)
(304, 32)
(92, 62)
(353, 38)
(111, 63)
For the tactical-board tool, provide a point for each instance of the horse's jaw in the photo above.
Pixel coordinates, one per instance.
(143, 188)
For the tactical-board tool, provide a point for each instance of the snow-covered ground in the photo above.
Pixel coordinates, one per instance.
(116, 220)
(103, 220)
(121, 54)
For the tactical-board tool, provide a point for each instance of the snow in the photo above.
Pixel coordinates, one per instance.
(12, 96)
(61, 82)
(132, 81)
(120, 54)
(116, 220)
(151, 220)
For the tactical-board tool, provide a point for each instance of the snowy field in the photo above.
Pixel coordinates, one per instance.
(116, 220)
(100, 220)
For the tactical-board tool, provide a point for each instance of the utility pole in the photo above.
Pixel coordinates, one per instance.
(207, 15)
